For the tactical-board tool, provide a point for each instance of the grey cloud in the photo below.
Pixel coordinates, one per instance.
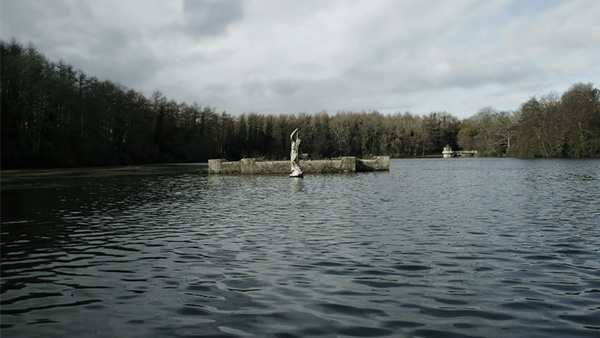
(286, 87)
(312, 56)
(121, 57)
(133, 70)
(40, 21)
(279, 88)
(70, 31)
(209, 17)
(110, 42)
(17, 17)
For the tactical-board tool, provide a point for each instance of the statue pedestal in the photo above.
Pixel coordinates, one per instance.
(296, 173)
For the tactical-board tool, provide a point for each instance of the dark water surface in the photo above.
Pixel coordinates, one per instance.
(434, 248)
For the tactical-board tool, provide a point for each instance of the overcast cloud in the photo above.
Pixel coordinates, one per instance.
(289, 56)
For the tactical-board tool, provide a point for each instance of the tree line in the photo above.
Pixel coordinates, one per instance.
(55, 116)
(549, 126)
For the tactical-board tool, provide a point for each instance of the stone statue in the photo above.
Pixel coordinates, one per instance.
(295, 155)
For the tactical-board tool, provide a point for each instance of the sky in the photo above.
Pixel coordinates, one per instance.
(310, 56)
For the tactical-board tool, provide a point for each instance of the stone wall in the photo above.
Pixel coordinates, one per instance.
(379, 163)
(252, 166)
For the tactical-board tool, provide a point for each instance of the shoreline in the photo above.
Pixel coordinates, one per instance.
(23, 178)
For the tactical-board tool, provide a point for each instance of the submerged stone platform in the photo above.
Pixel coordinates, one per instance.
(253, 166)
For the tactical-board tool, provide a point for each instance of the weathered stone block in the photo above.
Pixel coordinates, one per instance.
(348, 164)
(247, 165)
(378, 163)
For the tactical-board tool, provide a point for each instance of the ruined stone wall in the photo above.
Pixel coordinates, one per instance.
(253, 166)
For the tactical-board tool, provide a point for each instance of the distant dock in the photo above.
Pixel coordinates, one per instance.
(448, 152)
(253, 166)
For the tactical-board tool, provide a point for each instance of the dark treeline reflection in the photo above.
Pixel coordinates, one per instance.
(56, 116)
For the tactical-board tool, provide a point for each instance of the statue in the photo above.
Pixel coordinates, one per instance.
(295, 155)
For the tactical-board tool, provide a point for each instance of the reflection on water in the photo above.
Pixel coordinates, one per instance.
(455, 247)
(297, 184)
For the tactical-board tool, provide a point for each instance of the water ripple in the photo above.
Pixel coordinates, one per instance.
(465, 248)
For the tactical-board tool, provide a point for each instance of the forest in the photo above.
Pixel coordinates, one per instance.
(55, 116)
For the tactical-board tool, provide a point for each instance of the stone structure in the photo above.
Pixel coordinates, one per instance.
(253, 166)
(295, 155)
(448, 152)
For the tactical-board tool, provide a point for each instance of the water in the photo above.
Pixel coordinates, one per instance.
(433, 248)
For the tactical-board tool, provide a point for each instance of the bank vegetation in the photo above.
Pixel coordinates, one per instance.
(56, 116)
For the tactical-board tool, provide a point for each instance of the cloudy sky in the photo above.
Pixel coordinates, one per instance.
(291, 56)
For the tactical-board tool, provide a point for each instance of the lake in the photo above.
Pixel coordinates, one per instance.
(434, 248)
